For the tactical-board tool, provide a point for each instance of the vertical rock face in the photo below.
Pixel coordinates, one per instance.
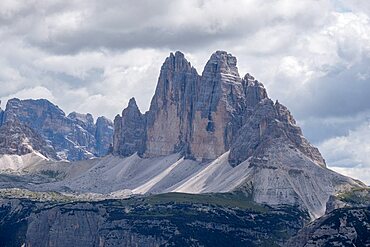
(103, 136)
(203, 116)
(170, 118)
(129, 136)
(254, 91)
(219, 100)
(72, 136)
(197, 115)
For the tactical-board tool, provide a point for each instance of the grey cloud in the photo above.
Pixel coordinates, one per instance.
(341, 92)
(161, 24)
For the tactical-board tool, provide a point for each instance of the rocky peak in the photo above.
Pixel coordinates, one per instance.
(176, 62)
(270, 125)
(132, 106)
(204, 116)
(175, 79)
(221, 62)
(103, 121)
(32, 112)
(172, 107)
(103, 135)
(254, 91)
(129, 135)
(202, 112)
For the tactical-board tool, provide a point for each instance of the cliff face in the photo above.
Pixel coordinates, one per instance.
(103, 136)
(169, 120)
(129, 136)
(203, 112)
(73, 137)
(203, 116)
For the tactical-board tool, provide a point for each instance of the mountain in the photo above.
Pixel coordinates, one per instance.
(206, 113)
(73, 137)
(213, 162)
(228, 124)
(209, 133)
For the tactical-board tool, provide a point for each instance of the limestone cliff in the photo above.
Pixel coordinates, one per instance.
(129, 135)
(203, 116)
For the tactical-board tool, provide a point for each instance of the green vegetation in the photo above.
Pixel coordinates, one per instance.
(16, 193)
(214, 219)
(357, 196)
(229, 200)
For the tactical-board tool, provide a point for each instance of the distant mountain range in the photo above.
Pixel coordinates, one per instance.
(214, 142)
(73, 137)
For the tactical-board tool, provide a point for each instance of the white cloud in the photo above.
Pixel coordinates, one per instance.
(349, 154)
(360, 173)
(37, 92)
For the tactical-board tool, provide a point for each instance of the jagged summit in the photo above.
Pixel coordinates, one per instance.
(248, 142)
(222, 62)
(176, 62)
(197, 115)
(132, 103)
(129, 131)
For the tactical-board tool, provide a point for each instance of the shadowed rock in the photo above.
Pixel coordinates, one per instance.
(17, 138)
(129, 136)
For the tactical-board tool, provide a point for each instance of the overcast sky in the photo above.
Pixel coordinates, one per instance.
(92, 56)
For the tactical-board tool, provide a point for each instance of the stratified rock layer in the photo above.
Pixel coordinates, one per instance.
(270, 125)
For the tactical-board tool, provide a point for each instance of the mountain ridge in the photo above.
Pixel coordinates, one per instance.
(205, 112)
(72, 136)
